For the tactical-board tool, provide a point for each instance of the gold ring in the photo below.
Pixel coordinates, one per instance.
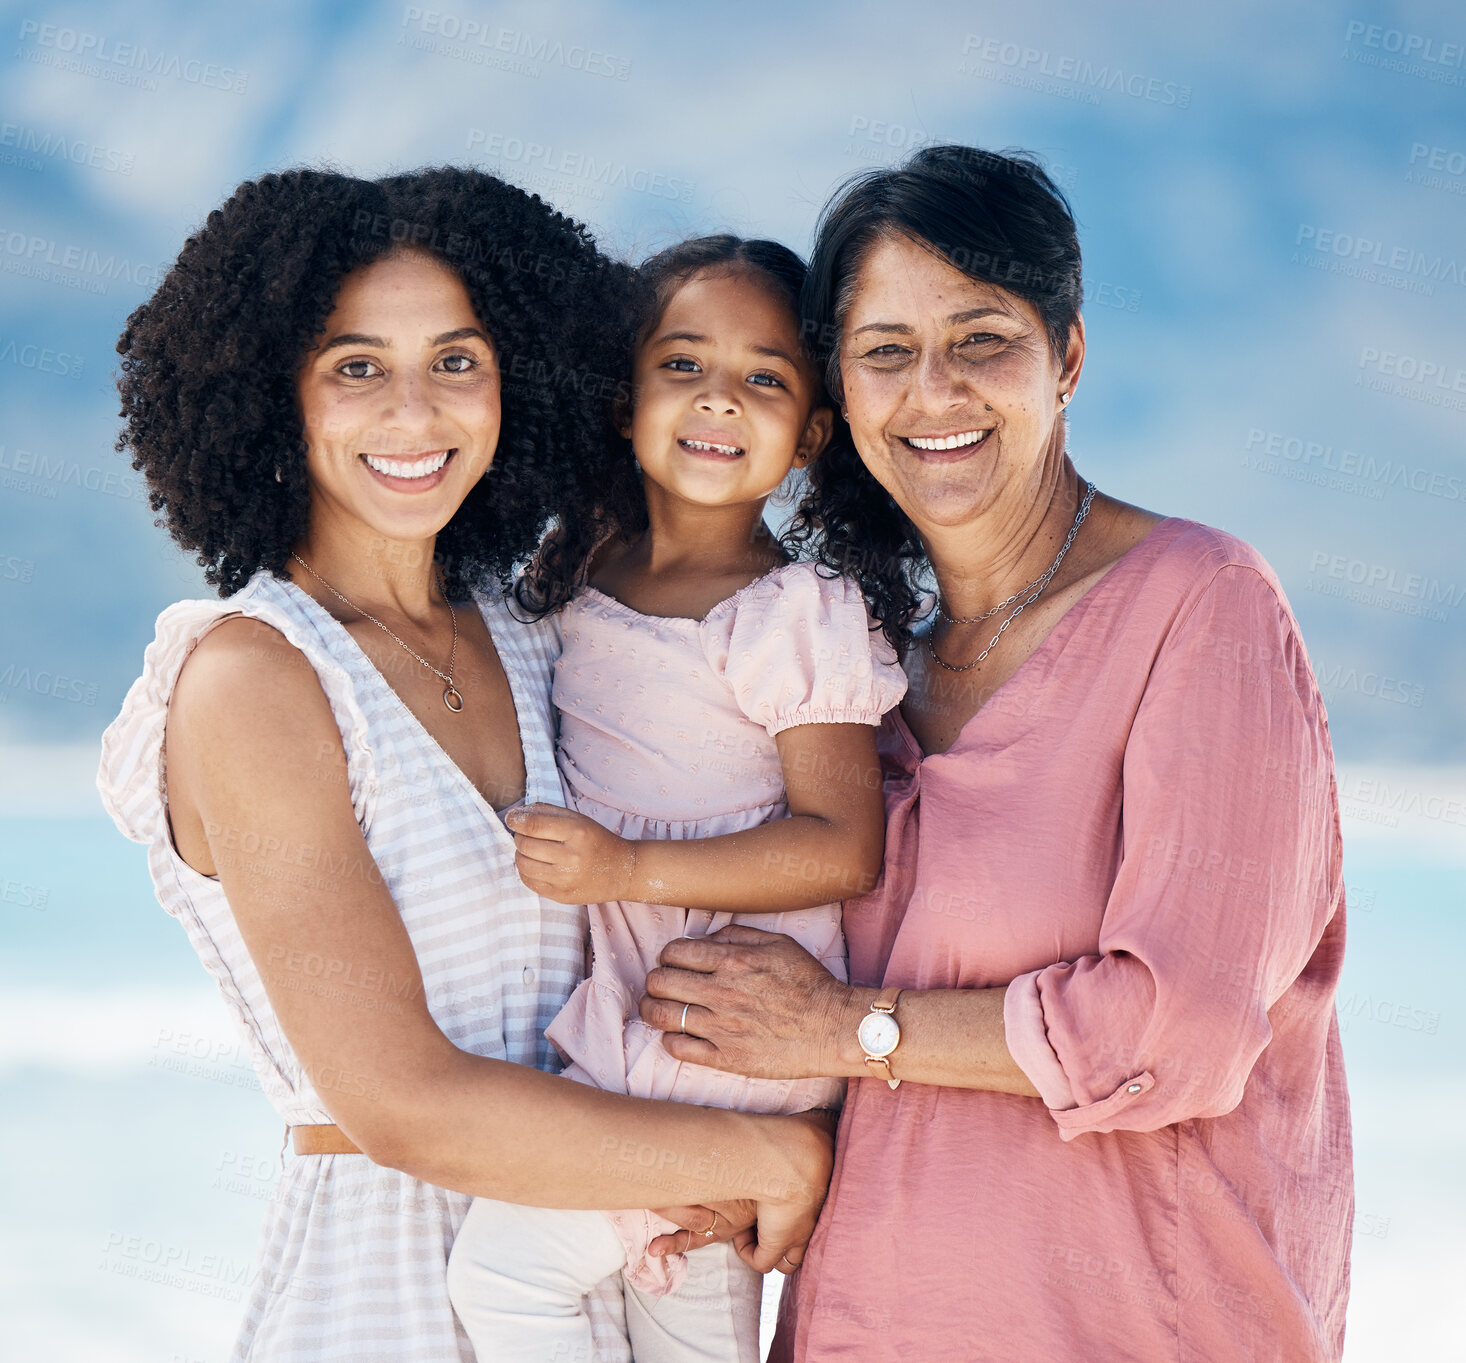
(708, 1234)
(785, 1259)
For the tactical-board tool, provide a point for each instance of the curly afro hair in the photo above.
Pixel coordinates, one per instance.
(209, 363)
(998, 218)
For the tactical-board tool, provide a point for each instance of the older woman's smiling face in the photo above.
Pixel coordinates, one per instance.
(951, 386)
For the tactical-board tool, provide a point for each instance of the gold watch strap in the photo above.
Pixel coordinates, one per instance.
(884, 1061)
(885, 1002)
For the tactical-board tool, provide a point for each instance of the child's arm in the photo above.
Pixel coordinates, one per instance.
(830, 846)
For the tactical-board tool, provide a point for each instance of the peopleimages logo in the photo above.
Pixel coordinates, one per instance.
(1367, 468)
(94, 54)
(1436, 382)
(70, 263)
(1378, 584)
(26, 471)
(508, 49)
(1074, 77)
(1408, 54)
(1363, 257)
(1385, 578)
(19, 141)
(1445, 159)
(43, 358)
(1374, 685)
(597, 173)
(1391, 364)
(1397, 42)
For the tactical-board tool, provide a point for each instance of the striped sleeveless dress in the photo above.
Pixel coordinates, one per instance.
(352, 1258)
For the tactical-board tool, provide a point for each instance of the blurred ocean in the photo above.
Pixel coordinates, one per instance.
(138, 1150)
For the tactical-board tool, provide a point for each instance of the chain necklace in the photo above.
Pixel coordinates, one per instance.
(1035, 589)
(451, 696)
(987, 614)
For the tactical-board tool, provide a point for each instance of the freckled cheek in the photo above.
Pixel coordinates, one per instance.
(468, 410)
(481, 413)
(332, 424)
(1014, 378)
(875, 454)
(872, 401)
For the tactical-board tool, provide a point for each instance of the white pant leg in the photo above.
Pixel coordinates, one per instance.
(517, 1277)
(711, 1318)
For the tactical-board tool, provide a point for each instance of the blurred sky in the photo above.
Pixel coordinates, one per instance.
(1271, 202)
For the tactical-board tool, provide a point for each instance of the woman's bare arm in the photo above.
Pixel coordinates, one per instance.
(829, 847)
(254, 752)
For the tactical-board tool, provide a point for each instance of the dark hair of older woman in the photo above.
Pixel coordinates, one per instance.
(1098, 1106)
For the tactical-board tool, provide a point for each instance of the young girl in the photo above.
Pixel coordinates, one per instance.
(717, 745)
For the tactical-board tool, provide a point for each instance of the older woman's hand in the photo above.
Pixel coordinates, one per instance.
(760, 1005)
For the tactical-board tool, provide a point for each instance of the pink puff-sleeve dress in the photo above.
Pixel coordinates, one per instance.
(667, 731)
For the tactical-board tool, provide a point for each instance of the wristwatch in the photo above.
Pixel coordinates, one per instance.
(879, 1033)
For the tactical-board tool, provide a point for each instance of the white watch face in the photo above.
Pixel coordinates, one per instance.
(878, 1034)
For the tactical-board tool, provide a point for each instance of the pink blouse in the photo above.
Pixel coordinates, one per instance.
(1139, 831)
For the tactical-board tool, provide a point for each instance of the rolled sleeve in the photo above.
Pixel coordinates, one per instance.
(1227, 878)
(1023, 1022)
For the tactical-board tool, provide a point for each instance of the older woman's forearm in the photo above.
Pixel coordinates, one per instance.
(496, 1129)
(951, 1037)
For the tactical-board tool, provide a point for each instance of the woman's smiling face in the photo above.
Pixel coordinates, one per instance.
(951, 385)
(400, 400)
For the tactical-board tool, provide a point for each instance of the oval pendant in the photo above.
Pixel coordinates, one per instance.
(452, 699)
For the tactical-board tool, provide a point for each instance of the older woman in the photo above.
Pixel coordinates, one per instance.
(1099, 1108)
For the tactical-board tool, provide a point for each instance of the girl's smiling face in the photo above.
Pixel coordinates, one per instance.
(952, 389)
(724, 398)
(399, 401)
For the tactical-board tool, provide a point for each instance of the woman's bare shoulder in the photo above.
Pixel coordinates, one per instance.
(244, 681)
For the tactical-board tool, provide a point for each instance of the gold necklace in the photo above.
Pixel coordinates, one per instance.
(452, 698)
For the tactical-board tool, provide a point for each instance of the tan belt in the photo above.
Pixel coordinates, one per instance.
(321, 1140)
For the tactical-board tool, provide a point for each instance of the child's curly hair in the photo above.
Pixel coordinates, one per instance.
(209, 363)
(620, 504)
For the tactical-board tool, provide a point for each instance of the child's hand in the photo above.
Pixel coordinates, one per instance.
(568, 857)
(727, 1221)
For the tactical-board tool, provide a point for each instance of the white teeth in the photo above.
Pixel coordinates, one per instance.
(946, 442)
(709, 445)
(416, 468)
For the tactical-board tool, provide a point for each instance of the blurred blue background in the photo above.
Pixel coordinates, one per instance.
(1271, 202)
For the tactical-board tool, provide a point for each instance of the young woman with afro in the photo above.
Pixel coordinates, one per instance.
(360, 404)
